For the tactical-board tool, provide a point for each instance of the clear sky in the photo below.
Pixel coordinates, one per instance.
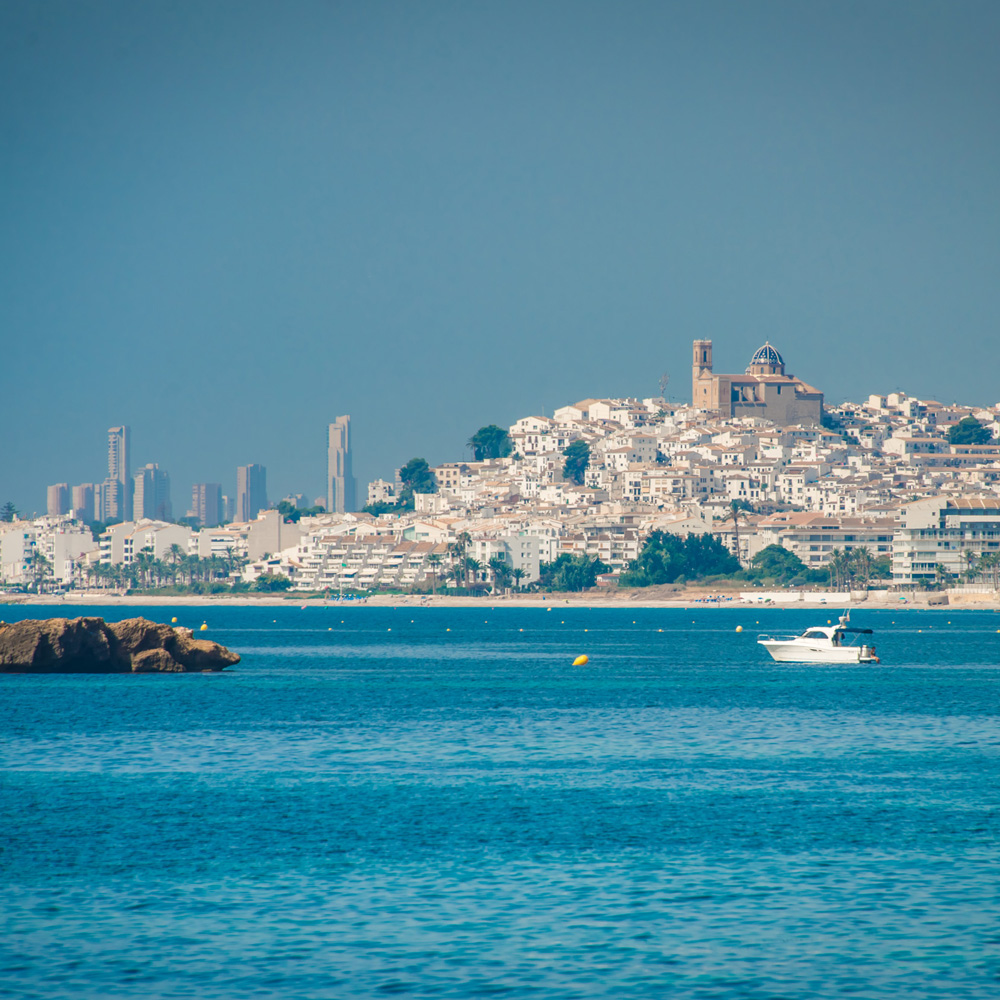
(224, 224)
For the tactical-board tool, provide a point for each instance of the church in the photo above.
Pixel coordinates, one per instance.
(763, 390)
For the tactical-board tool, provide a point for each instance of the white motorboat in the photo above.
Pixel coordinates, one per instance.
(823, 644)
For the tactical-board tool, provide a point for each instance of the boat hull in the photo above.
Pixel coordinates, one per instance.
(798, 652)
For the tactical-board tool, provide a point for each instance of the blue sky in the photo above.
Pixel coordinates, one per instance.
(227, 223)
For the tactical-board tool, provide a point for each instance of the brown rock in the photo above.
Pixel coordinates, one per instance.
(78, 645)
(155, 661)
(90, 645)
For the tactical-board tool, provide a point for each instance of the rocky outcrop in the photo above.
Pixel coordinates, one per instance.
(92, 646)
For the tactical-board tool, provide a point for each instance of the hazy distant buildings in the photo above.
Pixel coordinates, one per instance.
(340, 488)
(151, 494)
(116, 495)
(57, 499)
(83, 502)
(251, 491)
(206, 504)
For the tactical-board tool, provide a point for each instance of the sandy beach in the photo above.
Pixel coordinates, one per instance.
(623, 599)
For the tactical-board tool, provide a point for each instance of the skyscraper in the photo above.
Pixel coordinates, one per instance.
(58, 499)
(206, 504)
(83, 502)
(251, 491)
(118, 498)
(151, 497)
(340, 489)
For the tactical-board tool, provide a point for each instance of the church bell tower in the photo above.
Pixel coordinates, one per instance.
(701, 368)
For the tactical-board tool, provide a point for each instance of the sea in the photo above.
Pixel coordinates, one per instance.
(434, 802)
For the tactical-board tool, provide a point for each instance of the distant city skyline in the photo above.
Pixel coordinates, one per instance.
(223, 223)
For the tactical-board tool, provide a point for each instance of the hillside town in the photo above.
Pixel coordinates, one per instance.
(756, 460)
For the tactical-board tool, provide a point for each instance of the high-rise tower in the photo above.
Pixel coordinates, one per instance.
(340, 488)
(151, 496)
(206, 503)
(57, 499)
(251, 491)
(118, 485)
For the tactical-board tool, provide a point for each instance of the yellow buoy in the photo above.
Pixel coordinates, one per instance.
(204, 627)
(581, 661)
(447, 630)
(739, 628)
(174, 620)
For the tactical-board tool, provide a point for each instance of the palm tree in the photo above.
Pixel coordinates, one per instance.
(734, 514)
(518, 574)
(988, 568)
(839, 566)
(40, 569)
(970, 561)
(499, 570)
(941, 575)
(457, 549)
(472, 566)
(434, 560)
(861, 559)
(141, 564)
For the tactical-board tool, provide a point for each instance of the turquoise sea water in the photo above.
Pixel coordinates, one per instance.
(370, 805)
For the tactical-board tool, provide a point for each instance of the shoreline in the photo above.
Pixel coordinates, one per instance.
(985, 602)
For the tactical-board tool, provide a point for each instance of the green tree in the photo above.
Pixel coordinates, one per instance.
(571, 573)
(271, 582)
(577, 459)
(778, 564)
(383, 507)
(8, 512)
(416, 477)
(882, 568)
(97, 528)
(291, 514)
(490, 442)
(666, 557)
(969, 431)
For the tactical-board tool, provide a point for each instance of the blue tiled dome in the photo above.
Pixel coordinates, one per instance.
(766, 355)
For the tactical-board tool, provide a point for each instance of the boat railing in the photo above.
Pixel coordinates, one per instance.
(765, 637)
